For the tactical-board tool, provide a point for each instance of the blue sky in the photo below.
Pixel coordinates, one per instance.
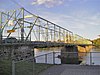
(79, 16)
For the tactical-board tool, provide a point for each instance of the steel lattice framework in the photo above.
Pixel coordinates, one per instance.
(26, 26)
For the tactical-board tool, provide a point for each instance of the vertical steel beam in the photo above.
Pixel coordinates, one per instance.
(39, 34)
(30, 34)
(68, 38)
(59, 34)
(54, 32)
(72, 37)
(0, 27)
(15, 15)
(51, 35)
(46, 31)
(22, 26)
(8, 19)
(64, 35)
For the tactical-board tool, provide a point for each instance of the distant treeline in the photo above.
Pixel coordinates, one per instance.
(97, 42)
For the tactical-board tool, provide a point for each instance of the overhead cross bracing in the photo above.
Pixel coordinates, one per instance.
(25, 26)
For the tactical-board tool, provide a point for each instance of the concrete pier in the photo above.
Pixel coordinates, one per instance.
(71, 54)
(68, 56)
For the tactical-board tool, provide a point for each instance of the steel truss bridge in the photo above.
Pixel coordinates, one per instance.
(26, 27)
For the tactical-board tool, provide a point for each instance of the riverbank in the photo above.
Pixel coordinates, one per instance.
(96, 47)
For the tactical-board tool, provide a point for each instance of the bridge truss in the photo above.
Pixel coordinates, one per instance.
(25, 26)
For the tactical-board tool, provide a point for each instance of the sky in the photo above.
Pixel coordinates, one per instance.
(82, 17)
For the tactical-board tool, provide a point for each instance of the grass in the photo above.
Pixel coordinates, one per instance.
(22, 68)
(5, 67)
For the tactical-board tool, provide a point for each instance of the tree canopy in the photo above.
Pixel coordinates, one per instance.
(97, 41)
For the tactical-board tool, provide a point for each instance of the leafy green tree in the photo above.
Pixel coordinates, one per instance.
(96, 41)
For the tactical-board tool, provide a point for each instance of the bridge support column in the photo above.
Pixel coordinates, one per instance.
(69, 55)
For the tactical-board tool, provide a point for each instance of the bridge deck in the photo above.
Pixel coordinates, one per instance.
(41, 44)
(72, 70)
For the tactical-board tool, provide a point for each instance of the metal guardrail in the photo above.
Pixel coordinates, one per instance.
(48, 58)
(86, 58)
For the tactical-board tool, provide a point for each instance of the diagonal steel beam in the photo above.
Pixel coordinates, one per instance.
(31, 29)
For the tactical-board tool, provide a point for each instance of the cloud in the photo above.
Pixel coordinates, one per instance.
(2, 10)
(78, 0)
(87, 18)
(66, 21)
(79, 22)
(48, 3)
(52, 3)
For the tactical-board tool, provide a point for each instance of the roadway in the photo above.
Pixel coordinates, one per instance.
(66, 69)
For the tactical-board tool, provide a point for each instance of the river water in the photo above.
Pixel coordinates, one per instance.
(92, 58)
